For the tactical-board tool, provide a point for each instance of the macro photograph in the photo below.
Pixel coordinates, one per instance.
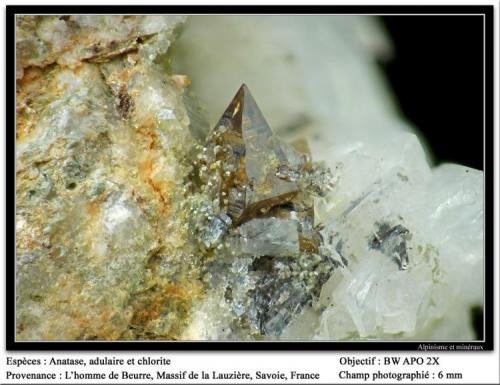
(247, 177)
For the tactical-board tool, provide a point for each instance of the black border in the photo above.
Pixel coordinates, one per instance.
(486, 10)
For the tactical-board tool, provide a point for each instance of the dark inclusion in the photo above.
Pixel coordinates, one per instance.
(263, 187)
(391, 241)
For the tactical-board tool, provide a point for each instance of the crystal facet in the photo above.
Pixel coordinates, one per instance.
(252, 158)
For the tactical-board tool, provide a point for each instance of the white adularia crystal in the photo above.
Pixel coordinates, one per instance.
(410, 238)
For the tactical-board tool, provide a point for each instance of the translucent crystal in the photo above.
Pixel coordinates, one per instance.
(252, 158)
(269, 236)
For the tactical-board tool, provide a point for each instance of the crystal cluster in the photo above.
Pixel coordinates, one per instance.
(261, 193)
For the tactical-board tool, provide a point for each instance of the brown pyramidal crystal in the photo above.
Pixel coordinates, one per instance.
(250, 175)
(254, 164)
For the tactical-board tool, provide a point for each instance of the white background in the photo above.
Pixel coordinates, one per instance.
(476, 367)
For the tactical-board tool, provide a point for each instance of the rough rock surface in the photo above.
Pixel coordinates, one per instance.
(102, 141)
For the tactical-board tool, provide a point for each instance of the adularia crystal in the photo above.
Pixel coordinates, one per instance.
(261, 191)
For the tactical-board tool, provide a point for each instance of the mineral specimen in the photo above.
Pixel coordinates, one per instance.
(132, 223)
